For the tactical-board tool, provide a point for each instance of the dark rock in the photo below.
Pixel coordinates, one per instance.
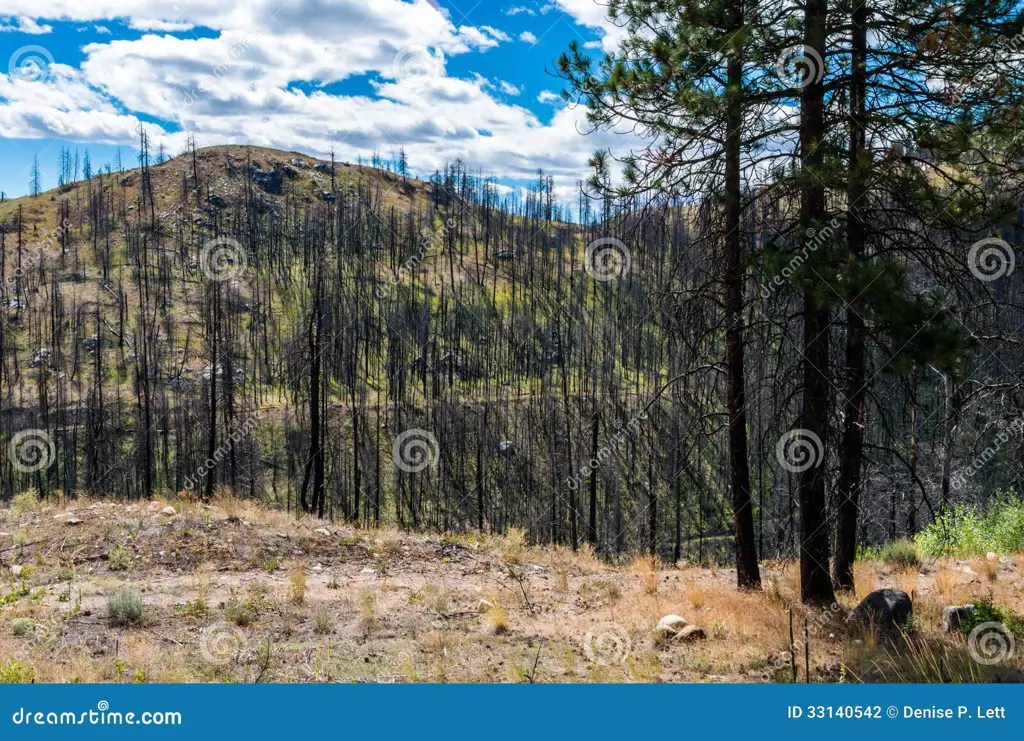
(324, 168)
(884, 609)
(290, 172)
(270, 180)
(218, 201)
(505, 447)
(954, 615)
(326, 195)
(128, 180)
(505, 255)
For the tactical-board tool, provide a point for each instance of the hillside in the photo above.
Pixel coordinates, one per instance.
(96, 591)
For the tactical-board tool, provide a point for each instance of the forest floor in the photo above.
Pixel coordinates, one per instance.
(235, 593)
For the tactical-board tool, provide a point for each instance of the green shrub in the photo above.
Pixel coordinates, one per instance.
(900, 553)
(124, 607)
(987, 612)
(967, 531)
(22, 626)
(239, 613)
(14, 672)
(322, 623)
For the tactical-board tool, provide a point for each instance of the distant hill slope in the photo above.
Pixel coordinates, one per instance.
(277, 177)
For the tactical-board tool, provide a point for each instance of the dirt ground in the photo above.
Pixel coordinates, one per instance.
(236, 593)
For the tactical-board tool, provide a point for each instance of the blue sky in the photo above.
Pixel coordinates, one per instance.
(442, 79)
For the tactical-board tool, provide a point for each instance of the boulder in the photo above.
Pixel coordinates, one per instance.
(884, 609)
(168, 510)
(324, 168)
(218, 201)
(953, 615)
(269, 180)
(691, 633)
(670, 626)
(16, 570)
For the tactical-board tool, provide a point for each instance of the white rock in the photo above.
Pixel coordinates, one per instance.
(992, 556)
(17, 569)
(669, 626)
(322, 531)
(74, 521)
(168, 510)
(484, 605)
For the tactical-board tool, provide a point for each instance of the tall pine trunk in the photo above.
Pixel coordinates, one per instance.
(853, 408)
(815, 579)
(748, 574)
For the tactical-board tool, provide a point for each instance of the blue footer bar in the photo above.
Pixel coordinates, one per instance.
(499, 712)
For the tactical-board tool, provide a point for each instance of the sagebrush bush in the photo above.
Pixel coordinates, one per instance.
(968, 531)
(900, 553)
(22, 626)
(124, 607)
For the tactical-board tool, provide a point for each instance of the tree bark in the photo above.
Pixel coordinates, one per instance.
(815, 579)
(747, 572)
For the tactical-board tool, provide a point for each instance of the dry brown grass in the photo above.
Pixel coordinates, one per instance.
(989, 567)
(697, 597)
(865, 578)
(387, 626)
(297, 586)
(647, 569)
(496, 620)
(946, 580)
(906, 579)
